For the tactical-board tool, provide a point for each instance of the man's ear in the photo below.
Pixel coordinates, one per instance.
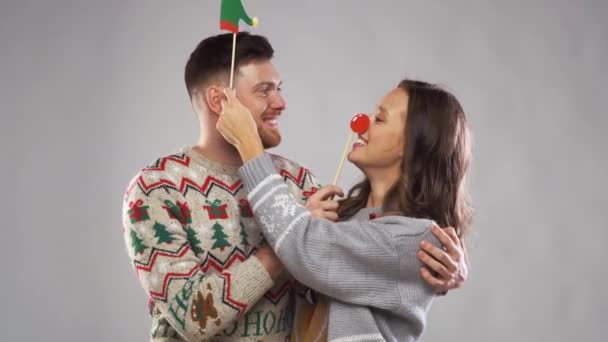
(213, 97)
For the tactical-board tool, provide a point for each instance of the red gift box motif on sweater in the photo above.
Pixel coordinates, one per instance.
(138, 211)
(307, 194)
(180, 212)
(216, 210)
(245, 208)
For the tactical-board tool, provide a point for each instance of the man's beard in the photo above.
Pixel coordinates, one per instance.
(270, 138)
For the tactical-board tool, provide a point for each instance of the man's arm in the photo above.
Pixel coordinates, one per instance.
(163, 252)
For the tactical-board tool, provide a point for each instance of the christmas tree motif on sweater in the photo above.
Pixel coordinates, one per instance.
(180, 212)
(138, 211)
(245, 208)
(163, 235)
(220, 237)
(137, 243)
(244, 236)
(195, 243)
(216, 210)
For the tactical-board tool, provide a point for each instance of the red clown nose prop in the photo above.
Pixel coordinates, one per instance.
(359, 123)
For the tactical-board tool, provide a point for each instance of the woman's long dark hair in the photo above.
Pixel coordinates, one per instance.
(434, 166)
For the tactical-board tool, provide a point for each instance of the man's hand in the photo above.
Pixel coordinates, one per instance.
(322, 205)
(449, 265)
(270, 261)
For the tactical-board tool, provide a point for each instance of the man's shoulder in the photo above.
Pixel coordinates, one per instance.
(293, 172)
(286, 164)
(160, 164)
(160, 172)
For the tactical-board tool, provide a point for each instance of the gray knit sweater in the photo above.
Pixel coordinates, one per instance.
(367, 267)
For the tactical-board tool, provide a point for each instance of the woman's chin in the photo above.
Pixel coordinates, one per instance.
(354, 157)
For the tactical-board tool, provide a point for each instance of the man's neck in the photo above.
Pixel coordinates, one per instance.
(218, 150)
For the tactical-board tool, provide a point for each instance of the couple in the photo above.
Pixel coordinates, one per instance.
(216, 231)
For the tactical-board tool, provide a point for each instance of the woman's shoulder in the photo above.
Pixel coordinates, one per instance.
(399, 225)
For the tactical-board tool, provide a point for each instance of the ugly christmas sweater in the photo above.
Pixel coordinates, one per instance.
(190, 232)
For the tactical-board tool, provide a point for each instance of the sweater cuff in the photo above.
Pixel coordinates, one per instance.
(251, 281)
(256, 171)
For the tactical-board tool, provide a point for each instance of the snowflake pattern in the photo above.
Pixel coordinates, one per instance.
(270, 225)
(286, 204)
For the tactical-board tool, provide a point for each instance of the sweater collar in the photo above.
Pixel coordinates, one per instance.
(213, 166)
(367, 214)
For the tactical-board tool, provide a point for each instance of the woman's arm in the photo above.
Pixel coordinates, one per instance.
(355, 262)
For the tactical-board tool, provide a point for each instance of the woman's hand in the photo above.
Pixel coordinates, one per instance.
(322, 204)
(449, 266)
(238, 127)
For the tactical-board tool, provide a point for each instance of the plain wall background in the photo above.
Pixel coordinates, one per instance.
(91, 91)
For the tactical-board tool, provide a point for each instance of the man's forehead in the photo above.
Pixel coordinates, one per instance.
(256, 73)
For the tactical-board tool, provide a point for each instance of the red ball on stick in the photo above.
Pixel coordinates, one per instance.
(359, 123)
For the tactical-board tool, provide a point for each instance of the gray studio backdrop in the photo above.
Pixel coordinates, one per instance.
(91, 91)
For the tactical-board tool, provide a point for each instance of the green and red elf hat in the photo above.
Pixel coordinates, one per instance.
(232, 11)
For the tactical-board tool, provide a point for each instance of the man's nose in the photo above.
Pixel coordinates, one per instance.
(278, 102)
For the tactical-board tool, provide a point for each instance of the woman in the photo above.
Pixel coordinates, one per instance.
(415, 156)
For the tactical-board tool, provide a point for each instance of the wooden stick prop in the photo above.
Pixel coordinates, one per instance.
(358, 125)
(344, 153)
(232, 63)
(232, 11)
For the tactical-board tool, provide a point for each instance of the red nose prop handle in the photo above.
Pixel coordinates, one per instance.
(359, 123)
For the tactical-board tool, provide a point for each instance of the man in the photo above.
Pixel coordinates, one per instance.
(189, 229)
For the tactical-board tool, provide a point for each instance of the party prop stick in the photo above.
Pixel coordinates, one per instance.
(232, 11)
(337, 176)
(232, 63)
(359, 125)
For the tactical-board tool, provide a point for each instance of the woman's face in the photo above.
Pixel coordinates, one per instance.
(382, 145)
